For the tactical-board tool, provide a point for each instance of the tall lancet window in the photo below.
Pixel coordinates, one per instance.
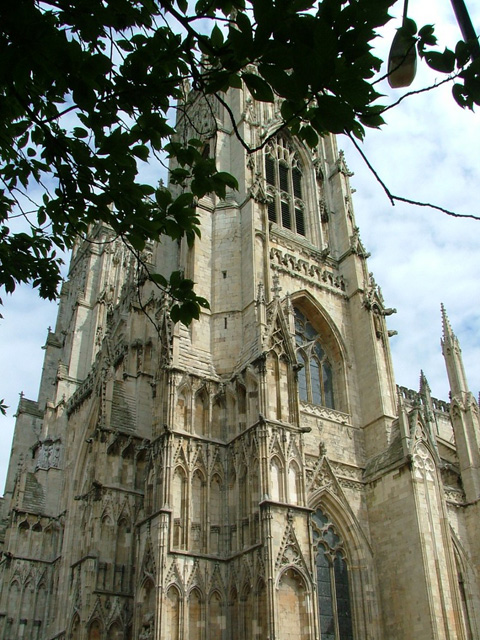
(283, 174)
(315, 377)
(334, 609)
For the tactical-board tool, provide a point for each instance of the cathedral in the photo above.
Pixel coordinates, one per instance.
(258, 475)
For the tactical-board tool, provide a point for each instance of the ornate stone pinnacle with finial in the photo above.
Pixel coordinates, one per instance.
(424, 386)
(446, 327)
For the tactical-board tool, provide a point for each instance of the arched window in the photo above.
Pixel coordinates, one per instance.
(95, 630)
(293, 606)
(179, 502)
(315, 381)
(334, 607)
(195, 615)
(173, 613)
(197, 525)
(284, 186)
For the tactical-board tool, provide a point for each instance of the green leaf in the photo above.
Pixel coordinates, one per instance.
(409, 26)
(141, 151)
(80, 132)
(426, 31)
(216, 37)
(332, 115)
(159, 279)
(310, 136)
(259, 89)
(183, 6)
(125, 45)
(461, 96)
(228, 179)
(462, 53)
(136, 241)
(443, 62)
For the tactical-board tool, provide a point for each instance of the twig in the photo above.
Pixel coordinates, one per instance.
(393, 198)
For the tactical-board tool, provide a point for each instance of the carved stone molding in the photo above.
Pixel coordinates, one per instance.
(306, 270)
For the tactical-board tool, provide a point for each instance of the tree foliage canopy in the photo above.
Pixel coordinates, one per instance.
(87, 88)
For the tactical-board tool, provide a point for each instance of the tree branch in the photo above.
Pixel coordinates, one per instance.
(393, 198)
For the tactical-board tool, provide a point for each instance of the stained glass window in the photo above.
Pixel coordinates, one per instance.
(334, 608)
(315, 380)
(283, 176)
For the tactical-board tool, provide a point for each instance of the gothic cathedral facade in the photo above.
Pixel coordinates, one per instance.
(258, 475)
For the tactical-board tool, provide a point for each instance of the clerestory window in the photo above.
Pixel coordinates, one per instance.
(334, 608)
(315, 377)
(283, 175)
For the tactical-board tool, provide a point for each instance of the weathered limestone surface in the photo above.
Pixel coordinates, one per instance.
(255, 476)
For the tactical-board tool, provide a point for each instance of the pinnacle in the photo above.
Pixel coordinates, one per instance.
(446, 327)
(424, 386)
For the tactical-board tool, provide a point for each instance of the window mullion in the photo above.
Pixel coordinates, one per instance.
(293, 221)
(309, 378)
(320, 376)
(334, 598)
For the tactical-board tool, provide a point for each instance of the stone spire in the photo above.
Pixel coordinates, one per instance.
(453, 358)
(464, 413)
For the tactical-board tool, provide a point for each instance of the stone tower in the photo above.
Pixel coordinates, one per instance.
(255, 476)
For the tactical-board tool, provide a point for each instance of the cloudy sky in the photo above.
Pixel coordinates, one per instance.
(420, 257)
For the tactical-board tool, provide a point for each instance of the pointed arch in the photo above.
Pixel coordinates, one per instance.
(334, 592)
(294, 483)
(179, 502)
(26, 609)
(149, 499)
(14, 602)
(200, 420)
(197, 538)
(216, 512)
(106, 550)
(273, 375)
(241, 405)
(251, 385)
(218, 416)
(126, 460)
(231, 411)
(146, 607)
(335, 505)
(322, 352)
(195, 615)
(260, 617)
(358, 556)
(95, 630)
(183, 408)
(123, 554)
(75, 628)
(246, 606)
(293, 606)
(277, 480)
(216, 617)
(115, 631)
(141, 465)
(285, 187)
(173, 613)
(41, 603)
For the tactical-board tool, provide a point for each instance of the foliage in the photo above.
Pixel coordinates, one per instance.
(3, 407)
(86, 90)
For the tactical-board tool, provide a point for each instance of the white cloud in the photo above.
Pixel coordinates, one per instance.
(421, 257)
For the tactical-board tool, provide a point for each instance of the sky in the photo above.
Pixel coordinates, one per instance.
(429, 151)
